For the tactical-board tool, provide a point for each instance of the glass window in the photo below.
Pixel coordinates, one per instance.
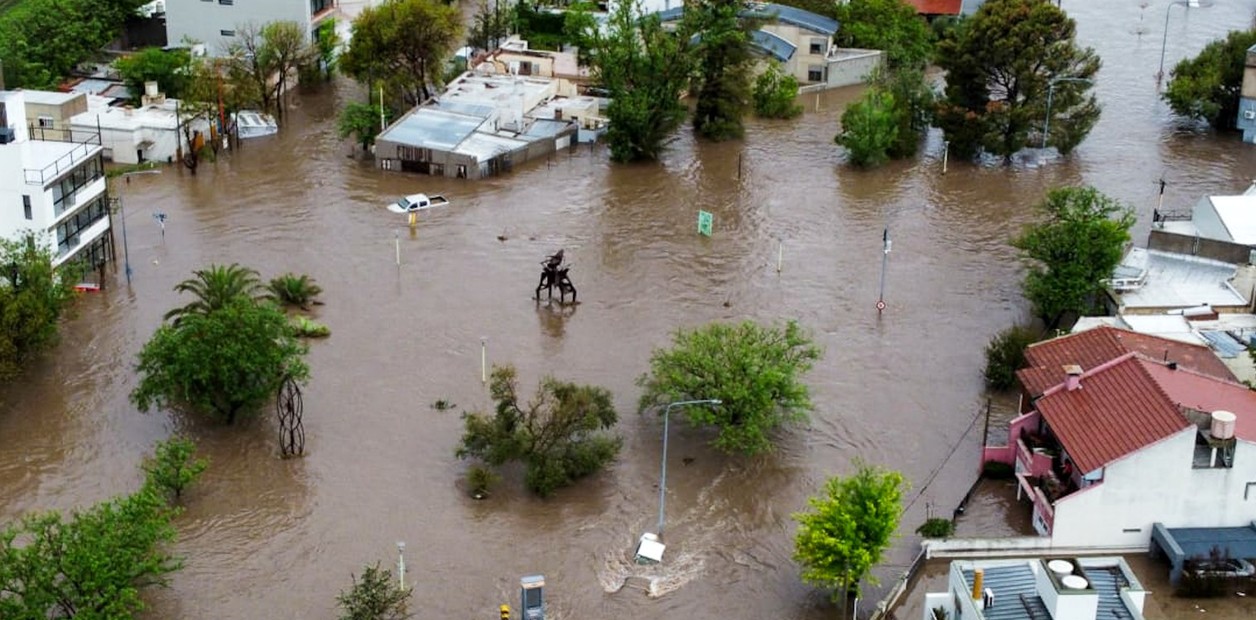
(815, 74)
(26, 207)
(68, 230)
(227, 33)
(817, 46)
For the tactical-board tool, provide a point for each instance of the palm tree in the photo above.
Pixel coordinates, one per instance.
(215, 286)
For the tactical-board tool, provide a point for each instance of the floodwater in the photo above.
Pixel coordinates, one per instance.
(271, 538)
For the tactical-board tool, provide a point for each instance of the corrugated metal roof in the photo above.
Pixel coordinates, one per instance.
(428, 127)
(1198, 541)
(1090, 348)
(463, 107)
(774, 45)
(1119, 409)
(779, 12)
(545, 128)
(1224, 344)
(1008, 583)
(1108, 582)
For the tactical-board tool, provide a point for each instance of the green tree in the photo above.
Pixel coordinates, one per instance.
(361, 121)
(776, 94)
(490, 26)
(888, 25)
(1207, 86)
(203, 100)
(848, 528)
(1005, 354)
(326, 43)
(722, 68)
(90, 565)
(404, 43)
(914, 101)
(269, 56)
(217, 285)
(559, 435)
(755, 370)
(578, 28)
(153, 64)
(224, 363)
(645, 69)
(42, 40)
(1072, 251)
(374, 597)
(33, 298)
(173, 466)
(1000, 64)
(870, 128)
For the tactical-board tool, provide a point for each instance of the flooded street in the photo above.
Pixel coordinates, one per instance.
(268, 538)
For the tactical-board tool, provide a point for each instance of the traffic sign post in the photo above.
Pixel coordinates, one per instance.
(161, 220)
(705, 222)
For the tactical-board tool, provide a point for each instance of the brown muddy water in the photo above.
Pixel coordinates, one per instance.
(268, 538)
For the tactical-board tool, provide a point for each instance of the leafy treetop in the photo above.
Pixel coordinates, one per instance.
(888, 25)
(1207, 86)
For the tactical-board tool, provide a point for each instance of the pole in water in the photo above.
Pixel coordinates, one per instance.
(401, 566)
(397, 243)
(738, 167)
(780, 253)
(946, 152)
(483, 360)
(414, 219)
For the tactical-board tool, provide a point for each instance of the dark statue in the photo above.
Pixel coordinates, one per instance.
(554, 273)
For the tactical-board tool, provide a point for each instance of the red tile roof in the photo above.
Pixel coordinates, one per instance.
(937, 7)
(1119, 409)
(1187, 388)
(1045, 360)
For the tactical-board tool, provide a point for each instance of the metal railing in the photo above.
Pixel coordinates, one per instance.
(85, 144)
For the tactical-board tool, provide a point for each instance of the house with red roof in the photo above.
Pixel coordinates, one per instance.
(1122, 431)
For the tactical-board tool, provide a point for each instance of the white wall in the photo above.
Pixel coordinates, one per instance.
(203, 20)
(1207, 222)
(1158, 484)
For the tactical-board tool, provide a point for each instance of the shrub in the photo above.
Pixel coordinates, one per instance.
(776, 94)
(305, 328)
(293, 290)
(479, 479)
(173, 466)
(1006, 354)
(936, 527)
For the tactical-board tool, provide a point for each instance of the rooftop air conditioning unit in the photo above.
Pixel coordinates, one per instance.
(1249, 114)
(7, 135)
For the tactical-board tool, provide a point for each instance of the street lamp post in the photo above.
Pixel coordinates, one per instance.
(1046, 122)
(1164, 40)
(650, 548)
(126, 251)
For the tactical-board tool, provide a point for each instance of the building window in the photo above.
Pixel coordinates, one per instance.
(227, 33)
(1212, 453)
(63, 191)
(46, 122)
(815, 73)
(69, 230)
(817, 46)
(26, 207)
(226, 2)
(318, 6)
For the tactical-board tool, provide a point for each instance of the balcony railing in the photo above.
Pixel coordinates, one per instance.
(85, 143)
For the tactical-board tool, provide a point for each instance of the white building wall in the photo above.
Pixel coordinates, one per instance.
(1158, 484)
(203, 21)
(1207, 222)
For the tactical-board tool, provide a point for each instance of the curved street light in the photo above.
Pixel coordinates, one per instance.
(1189, 4)
(656, 554)
(1046, 122)
(126, 251)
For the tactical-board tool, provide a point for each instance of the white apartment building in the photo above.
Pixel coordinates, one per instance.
(51, 184)
(214, 23)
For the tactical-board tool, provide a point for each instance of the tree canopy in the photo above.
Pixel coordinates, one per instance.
(32, 300)
(847, 529)
(645, 69)
(169, 68)
(215, 286)
(869, 129)
(722, 67)
(223, 363)
(174, 466)
(90, 565)
(1207, 86)
(888, 25)
(559, 435)
(776, 94)
(403, 44)
(374, 596)
(1000, 65)
(1072, 251)
(755, 370)
(42, 40)
(361, 122)
(268, 56)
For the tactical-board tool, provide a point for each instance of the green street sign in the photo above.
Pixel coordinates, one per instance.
(705, 221)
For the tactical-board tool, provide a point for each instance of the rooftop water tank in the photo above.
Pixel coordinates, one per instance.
(1074, 582)
(1223, 424)
(1060, 567)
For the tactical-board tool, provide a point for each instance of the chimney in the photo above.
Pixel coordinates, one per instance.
(1074, 379)
(1172, 365)
(979, 576)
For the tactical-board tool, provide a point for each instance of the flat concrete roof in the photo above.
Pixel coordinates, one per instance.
(429, 127)
(44, 97)
(1179, 281)
(129, 119)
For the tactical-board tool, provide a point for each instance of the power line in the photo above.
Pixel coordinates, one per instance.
(938, 470)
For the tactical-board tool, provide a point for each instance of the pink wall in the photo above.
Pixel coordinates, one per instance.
(1007, 454)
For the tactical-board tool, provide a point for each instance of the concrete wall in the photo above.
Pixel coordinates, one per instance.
(803, 58)
(60, 114)
(1198, 246)
(1246, 121)
(853, 67)
(204, 20)
(1157, 484)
